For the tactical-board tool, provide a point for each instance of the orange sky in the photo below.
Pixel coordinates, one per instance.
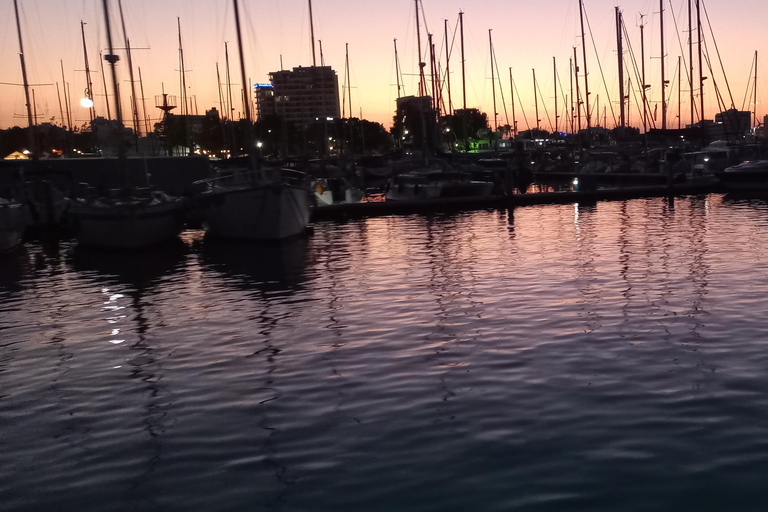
(526, 35)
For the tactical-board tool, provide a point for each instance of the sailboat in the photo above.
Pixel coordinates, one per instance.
(251, 202)
(131, 217)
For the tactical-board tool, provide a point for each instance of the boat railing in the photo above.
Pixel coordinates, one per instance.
(290, 177)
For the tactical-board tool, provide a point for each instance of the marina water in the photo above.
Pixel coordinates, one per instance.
(583, 357)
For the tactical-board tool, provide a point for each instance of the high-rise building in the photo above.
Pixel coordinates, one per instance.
(303, 95)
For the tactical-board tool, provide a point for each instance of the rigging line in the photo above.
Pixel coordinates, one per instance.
(717, 50)
(501, 88)
(637, 76)
(520, 102)
(749, 84)
(720, 99)
(544, 104)
(600, 66)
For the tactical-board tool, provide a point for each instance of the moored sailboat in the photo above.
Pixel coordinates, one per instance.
(131, 217)
(251, 202)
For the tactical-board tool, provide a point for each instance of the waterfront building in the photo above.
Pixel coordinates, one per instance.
(304, 94)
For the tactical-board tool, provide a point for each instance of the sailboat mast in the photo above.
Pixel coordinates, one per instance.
(249, 126)
(422, 78)
(690, 59)
(512, 90)
(397, 71)
(578, 94)
(61, 109)
(349, 82)
(701, 63)
(134, 101)
(33, 144)
(644, 87)
(754, 104)
(554, 64)
(536, 100)
(230, 106)
(89, 92)
(449, 110)
(433, 80)
(463, 62)
(66, 102)
(679, 94)
(322, 59)
(112, 59)
(312, 34)
(663, 77)
(620, 51)
(570, 62)
(185, 108)
(584, 53)
(493, 82)
(144, 104)
(221, 98)
(104, 81)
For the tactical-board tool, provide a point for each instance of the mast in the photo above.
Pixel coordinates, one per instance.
(644, 87)
(397, 71)
(182, 71)
(584, 51)
(570, 62)
(620, 47)
(32, 138)
(463, 61)
(104, 80)
(754, 104)
(690, 59)
(554, 63)
(61, 109)
(435, 105)
(312, 34)
(349, 83)
(230, 105)
(112, 59)
(679, 95)
(449, 110)
(422, 78)
(144, 103)
(221, 97)
(322, 59)
(512, 90)
(663, 80)
(89, 91)
(536, 100)
(701, 63)
(134, 101)
(493, 83)
(578, 94)
(249, 126)
(66, 101)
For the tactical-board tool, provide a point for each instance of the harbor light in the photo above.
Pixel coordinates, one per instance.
(86, 103)
(259, 144)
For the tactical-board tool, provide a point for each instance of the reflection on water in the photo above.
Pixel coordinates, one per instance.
(593, 357)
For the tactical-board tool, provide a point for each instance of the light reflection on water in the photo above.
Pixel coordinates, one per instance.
(578, 357)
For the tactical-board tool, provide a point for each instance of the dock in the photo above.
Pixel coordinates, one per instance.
(343, 211)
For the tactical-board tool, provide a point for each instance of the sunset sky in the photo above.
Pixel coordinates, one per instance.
(526, 35)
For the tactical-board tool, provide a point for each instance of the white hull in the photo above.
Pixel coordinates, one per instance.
(127, 226)
(257, 212)
(12, 224)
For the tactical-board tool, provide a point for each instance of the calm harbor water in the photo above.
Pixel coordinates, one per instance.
(555, 358)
